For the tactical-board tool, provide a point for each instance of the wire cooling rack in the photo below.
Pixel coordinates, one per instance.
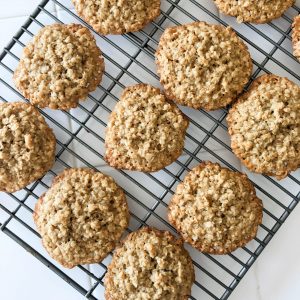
(80, 141)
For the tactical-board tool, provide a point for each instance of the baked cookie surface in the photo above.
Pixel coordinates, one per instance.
(117, 16)
(296, 36)
(81, 217)
(27, 146)
(264, 126)
(258, 11)
(202, 65)
(215, 210)
(61, 66)
(150, 265)
(145, 132)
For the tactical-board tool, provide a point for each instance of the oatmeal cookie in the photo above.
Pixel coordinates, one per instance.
(27, 146)
(296, 36)
(258, 11)
(264, 126)
(61, 66)
(202, 65)
(145, 132)
(150, 265)
(117, 16)
(81, 217)
(215, 210)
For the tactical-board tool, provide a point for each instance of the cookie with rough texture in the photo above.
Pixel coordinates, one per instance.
(27, 146)
(145, 131)
(215, 210)
(258, 11)
(296, 36)
(202, 65)
(61, 66)
(150, 265)
(264, 126)
(81, 217)
(117, 16)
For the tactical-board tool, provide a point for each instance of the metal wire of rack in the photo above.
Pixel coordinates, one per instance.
(80, 137)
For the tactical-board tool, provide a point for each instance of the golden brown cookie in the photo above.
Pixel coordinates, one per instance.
(215, 210)
(27, 146)
(117, 16)
(296, 36)
(61, 66)
(202, 65)
(264, 126)
(258, 11)
(150, 265)
(145, 132)
(81, 217)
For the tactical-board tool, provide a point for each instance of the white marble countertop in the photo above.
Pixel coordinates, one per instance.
(275, 275)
